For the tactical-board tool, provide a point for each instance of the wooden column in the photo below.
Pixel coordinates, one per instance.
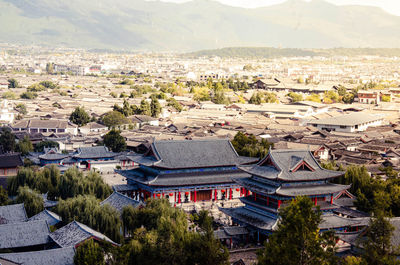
(195, 195)
(230, 193)
(315, 201)
(179, 197)
(216, 195)
(331, 198)
(279, 204)
(255, 196)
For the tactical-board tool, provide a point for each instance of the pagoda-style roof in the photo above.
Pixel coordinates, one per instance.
(13, 213)
(309, 190)
(58, 256)
(252, 218)
(191, 154)
(332, 221)
(94, 152)
(185, 178)
(119, 201)
(290, 165)
(48, 216)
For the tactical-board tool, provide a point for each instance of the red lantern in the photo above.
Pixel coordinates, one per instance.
(158, 195)
(237, 189)
(171, 194)
(223, 191)
(187, 193)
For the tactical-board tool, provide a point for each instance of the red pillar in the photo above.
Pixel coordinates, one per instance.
(163, 194)
(179, 197)
(195, 195)
(315, 201)
(279, 204)
(331, 199)
(154, 195)
(255, 196)
(174, 196)
(216, 195)
(230, 193)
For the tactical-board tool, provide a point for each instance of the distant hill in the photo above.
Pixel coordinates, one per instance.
(269, 52)
(195, 25)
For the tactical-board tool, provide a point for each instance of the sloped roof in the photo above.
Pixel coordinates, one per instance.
(10, 160)
(284, 163)
(94, 152)
(74, 233)
(24, 234)
(330, 221)
(119, 201)
(50, 217)
(12, 214)
(351, 119)
(58, 256)
(193, 154)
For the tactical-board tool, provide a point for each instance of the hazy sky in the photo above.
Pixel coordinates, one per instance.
(391, 6)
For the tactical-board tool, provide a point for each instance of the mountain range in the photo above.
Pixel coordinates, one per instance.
(199, 24)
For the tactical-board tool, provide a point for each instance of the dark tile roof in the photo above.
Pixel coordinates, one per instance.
(50, 217)
(11, 160)
(119, 201)
(24, 234)
(74, 233)
(124, 187)
(94, 152)
(14, 213)
(58, 256)
(284, 165)
(330, 221)
(252, 218)
(184, 179)
(308, 190)
(196, 154)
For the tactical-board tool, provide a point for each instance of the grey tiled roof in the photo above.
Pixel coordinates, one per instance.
(50, 156)
(285, 162)
(251, 218)
(94, 152)
(230, 231)
(119, 201)
(307, 190)
(12, 214)
(124, 187)
(330, 221)
(351, 119)
(196, 154)
(189, 178)
(24, 234)
(58, 256)
(10, 160)
(74, 233)
(50, 217)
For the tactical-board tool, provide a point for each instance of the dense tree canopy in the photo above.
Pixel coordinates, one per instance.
(160, 235)
(7, 139)
(32, 200)
(87, 210)
(248, 145)
(24, 146)
(3, 196)
(70, 184)
(114, 119)
(115, 141)
(89, 253)
(79, 116)
(297, 240)
(13, 83)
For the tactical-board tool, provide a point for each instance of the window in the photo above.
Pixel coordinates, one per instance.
(342, 127)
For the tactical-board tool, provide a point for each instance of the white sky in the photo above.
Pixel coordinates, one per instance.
(391, 6)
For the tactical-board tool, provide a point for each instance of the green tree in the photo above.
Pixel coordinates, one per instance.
(89, 253)
(87, 210)
(155, 108)
(29, 95)
(295, 97)
(79, 116)
(50, 68)
(115, 141)
(378, 249)
(175, 104)
(270, 97)
(256, 98)
(7, 139)
(9, 95)
(48, 84)
(13, 83)
(348, 98)
(3, 196)
(25, 146)
(21, 108)
(297, 239)
(314, 97)
(145, 108)
(32, 201)
(250, 146)
(114, 118)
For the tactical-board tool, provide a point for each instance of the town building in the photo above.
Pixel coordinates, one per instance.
(373, 96)
(44, 126)
(282, 176)
(9, 164)
(353, 122)
(187, 171)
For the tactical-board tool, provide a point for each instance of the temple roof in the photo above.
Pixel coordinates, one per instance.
(58, 256)
(185, 178)
(332, 221)
(94, 152)
(74, 233)
(24, 234)
(192, 154)
(12, 214)
(46, 215)
(119, 201)
(251, 218)
(290, 165)
(308, 190)
(10, 160)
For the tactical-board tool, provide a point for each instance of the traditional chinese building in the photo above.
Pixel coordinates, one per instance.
(188, 171)
(282, 176)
